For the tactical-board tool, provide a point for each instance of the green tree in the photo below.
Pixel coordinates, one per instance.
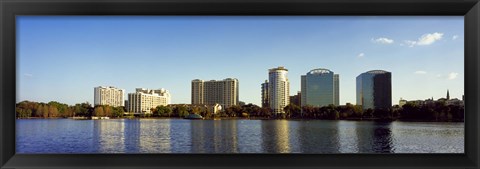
(107, 111)
(52, 111)
(45, 111)
(98, 111)
(118, 111)
(180, 111)
(162, 111)
(292, 110)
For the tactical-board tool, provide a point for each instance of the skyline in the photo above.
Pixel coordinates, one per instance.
(64, 58)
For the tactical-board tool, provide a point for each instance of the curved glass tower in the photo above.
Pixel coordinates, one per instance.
(374, 89)
(320, 88)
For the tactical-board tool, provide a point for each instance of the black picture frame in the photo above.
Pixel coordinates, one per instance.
(9, 9)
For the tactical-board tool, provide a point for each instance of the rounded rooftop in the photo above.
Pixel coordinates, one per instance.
(320, 71)
(278, 68)
(377, 72)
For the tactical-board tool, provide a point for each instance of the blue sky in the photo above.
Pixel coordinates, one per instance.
(62, 58)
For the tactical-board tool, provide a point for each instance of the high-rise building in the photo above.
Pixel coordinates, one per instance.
(143, 100)
(374, 89)
(265, 97)
(223, 92)
(336, 84)
(296, 99)
(109, 96)
(320, 88)
(197, 91)
(278, 89)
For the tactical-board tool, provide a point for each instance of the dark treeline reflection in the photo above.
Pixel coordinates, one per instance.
(236, 136)
(317, 137)
(374, 137)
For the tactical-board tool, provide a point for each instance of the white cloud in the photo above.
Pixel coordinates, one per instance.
(452, 75)
(420, 72)
(361, 55)
(425, 39)
(27, 75)
(410, 43)
(428, 39)
(383, 40)
(454, 37)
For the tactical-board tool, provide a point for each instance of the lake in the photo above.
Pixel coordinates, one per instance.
(235, 136)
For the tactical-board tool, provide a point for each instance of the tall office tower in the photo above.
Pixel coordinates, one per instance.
(374, 89)
(336, 85)
(143, 100)
(108, 96)
(279, 89)
(265, 94)
(223, 92)
(320, 88)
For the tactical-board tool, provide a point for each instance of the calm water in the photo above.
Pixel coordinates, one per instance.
(235, 136)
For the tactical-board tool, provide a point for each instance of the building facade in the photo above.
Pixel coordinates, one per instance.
(224, 92)
(265, 97)
(110, 95)
(296, 99)
(374, 89)
(336, 85)
(278, 89)
(320, 88)
(143, 100)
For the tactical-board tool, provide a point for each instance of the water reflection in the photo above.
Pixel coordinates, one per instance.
(214, 136)
(155, 135)
(108, 136)
(132, 135)
(275, 136)
(180, 136)
(236, 136)
(249, 136)
(318, 137)
(346, 137)
(374, 137)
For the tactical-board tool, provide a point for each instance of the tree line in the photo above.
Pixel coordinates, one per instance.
(53, 109)
(439, 111)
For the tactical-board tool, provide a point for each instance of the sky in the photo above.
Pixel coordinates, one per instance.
(62, 58)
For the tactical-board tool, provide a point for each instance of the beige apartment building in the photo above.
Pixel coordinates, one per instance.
(223, 92)
(109, 95)
(143, 100)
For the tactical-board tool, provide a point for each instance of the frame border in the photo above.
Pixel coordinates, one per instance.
(470, 9)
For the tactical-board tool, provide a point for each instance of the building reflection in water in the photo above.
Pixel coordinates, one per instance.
(108, 136)
(132, 135)
(214, 136)
(374, 137)
(275, 136)
(155, 136)
(347, 138)
(249, 136)
(318, 136)
(180, 136)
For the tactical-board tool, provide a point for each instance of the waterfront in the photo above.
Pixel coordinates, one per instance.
(236, 136)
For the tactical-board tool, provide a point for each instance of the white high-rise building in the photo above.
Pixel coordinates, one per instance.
(278, 89)
(143, 100)
(109, 96)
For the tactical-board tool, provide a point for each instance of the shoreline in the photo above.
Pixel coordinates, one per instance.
(249, 118)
